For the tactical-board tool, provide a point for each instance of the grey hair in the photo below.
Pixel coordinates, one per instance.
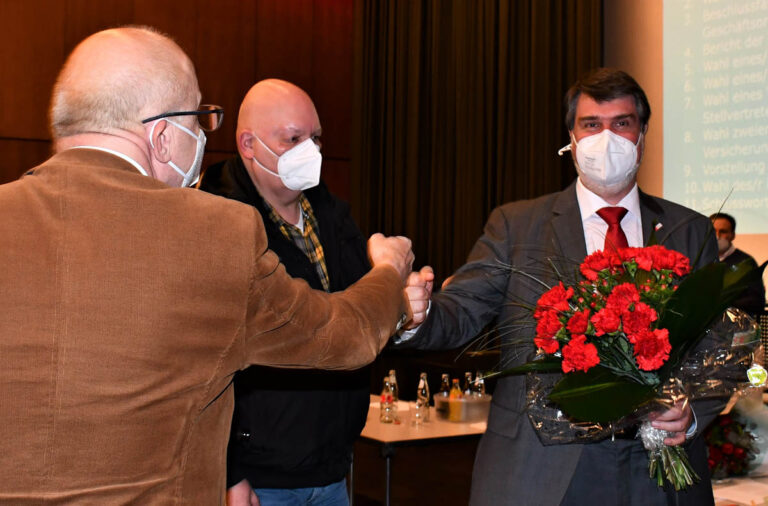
(92, 101)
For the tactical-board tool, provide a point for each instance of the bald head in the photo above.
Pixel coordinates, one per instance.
(115, 78)
(275, 117)
(274, 104)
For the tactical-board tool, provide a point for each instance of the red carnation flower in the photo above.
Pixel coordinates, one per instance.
(682, 265)
(579, 355)
(548, 345)
(639, 319)
(641, 256)
(727, 448)
(606, 321)
(546, 328)
(594, 263)
(667, 259)
(555, 298)
(651, 348)
(622, 297)
(579, 322)
(549, 324)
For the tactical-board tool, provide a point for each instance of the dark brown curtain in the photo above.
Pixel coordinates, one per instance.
(458, 108)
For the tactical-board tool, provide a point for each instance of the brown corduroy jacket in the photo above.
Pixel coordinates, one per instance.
(117, 347)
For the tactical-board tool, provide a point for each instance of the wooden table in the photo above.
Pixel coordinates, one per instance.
(742, 491)
(391, 435)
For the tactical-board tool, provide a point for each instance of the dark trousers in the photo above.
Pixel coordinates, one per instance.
(616, 473)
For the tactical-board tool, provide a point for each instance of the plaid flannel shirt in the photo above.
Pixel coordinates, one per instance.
(308, 240)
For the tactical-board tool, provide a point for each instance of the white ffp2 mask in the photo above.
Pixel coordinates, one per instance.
(606, 161)
(299, 167)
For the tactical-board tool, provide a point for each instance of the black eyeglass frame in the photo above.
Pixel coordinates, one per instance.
(215, 109)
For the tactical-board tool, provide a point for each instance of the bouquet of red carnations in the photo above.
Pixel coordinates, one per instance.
(617, 305)
(731, 447)
(620, 336)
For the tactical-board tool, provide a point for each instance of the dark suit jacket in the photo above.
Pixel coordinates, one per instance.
(527, 235)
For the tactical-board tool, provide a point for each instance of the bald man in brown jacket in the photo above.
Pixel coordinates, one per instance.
(117, 349)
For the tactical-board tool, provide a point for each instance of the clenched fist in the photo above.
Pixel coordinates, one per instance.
(418, 289)
(395, 251)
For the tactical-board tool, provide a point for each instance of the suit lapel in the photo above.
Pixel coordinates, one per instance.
(651, 216)
(567, 227)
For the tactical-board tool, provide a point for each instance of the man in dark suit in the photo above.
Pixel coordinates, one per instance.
(607, 118)
(752, 300)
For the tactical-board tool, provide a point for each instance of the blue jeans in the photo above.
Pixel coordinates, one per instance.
(334, 494)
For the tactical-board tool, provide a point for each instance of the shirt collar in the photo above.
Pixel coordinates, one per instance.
(127, 158)
(590, 202)
(304, 209)
(727, 252)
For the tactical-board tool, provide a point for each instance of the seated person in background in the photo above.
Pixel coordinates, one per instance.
(752, 300)
(129, 302)
(293, 431)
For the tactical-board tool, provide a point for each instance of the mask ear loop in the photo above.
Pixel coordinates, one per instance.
(175, 167)
(266, 147)
(261, 166)
(568, 146)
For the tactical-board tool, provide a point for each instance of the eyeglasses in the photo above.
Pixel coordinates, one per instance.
(209, 116)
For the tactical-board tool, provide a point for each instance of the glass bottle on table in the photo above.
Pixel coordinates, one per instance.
(387, 407)
(393, 385)
(422, 400)
(445, 386)
(467, 386)
(479, 387)
(455, 389)
(395, 392)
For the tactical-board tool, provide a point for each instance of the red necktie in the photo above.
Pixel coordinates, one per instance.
(614, 238)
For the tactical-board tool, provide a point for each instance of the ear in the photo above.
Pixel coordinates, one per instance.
(160, 140)
(645, 129)
(245, 142)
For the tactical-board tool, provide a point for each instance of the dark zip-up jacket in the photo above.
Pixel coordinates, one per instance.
(296, 428)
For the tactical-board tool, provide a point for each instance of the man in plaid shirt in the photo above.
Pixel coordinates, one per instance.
(292, 431)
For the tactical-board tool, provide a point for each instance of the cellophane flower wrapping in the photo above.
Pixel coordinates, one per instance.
(717, 371)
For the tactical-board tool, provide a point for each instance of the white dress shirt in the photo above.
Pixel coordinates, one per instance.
(595, 227)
